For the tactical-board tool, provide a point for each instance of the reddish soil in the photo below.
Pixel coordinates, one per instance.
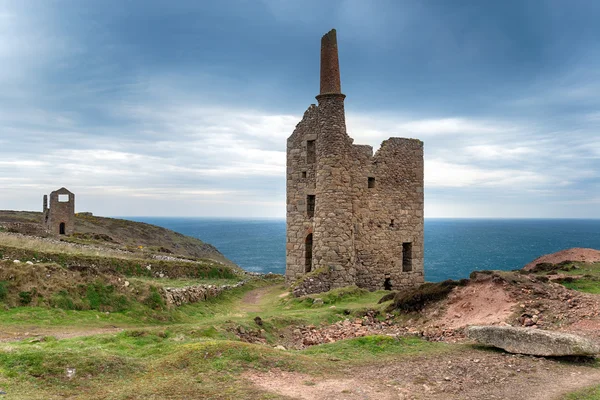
(574, 254)
(480, 303)
(462, 374)
(505, 298)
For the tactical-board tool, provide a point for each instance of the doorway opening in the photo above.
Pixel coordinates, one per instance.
(387, 284)
(61, 228)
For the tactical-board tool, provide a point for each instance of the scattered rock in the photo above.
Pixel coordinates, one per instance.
(535, 342)
(17, 261)
(318, 301)
(70, 372)
(29, 262)
(258, 320)
(280, 347)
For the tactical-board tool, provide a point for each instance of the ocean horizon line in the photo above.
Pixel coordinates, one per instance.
(227, 218)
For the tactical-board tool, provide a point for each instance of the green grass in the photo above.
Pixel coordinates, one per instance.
(583, 277)
(183, 282)
(187, 352)
(375, 348)
(584, 285)
(142, 363)
(592, 393)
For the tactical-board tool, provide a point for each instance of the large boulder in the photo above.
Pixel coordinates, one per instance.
(536, 342)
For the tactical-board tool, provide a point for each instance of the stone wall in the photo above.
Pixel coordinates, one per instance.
(59, 215)
(367, 223)
(317, 281)
(196, 293)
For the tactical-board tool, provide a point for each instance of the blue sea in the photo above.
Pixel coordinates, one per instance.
(453, 247)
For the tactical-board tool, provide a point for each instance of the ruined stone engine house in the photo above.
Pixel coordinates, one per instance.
(352, 217)
(59, 217)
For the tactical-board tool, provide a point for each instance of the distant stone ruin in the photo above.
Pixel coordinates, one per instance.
(59, 216)
(352, 217)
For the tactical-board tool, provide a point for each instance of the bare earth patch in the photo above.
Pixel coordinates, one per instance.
(23, 333)
(484, 303)
(303, 386)
(465, 374)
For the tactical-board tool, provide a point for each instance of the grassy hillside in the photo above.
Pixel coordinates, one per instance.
(113, 233)
(89, 317)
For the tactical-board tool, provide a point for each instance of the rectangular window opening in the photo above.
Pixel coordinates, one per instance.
(406, 257)
(63, 198)
(371, 182)
(310, 205)
(304, 174)
(311, 152)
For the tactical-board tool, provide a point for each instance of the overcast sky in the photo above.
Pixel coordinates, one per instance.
(182, 108)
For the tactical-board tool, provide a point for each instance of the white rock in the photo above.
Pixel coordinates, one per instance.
(533, 341)
(126, 283)
(70, 372)
(17, 261)
(29, 263)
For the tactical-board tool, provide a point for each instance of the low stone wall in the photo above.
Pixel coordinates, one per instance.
(196, 293)
(318, 281)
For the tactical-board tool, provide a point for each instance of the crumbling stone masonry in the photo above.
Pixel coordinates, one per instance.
(59, 217)
(352, 217)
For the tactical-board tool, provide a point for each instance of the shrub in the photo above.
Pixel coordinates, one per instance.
(416, 299)
(154, 299)
(25, 298)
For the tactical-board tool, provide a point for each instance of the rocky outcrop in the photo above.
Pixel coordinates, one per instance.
(535, 342)
(194, 294)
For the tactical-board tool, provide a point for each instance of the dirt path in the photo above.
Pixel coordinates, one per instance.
(18, 333)
(256, 300)
(470, 374)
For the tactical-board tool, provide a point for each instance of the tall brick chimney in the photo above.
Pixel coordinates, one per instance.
(330, 65)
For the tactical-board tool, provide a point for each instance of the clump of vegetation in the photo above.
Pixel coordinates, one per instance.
(549, 267)
(25, 298)
(416, 299)
(103, 297)
(154, 300)
(3, 290)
